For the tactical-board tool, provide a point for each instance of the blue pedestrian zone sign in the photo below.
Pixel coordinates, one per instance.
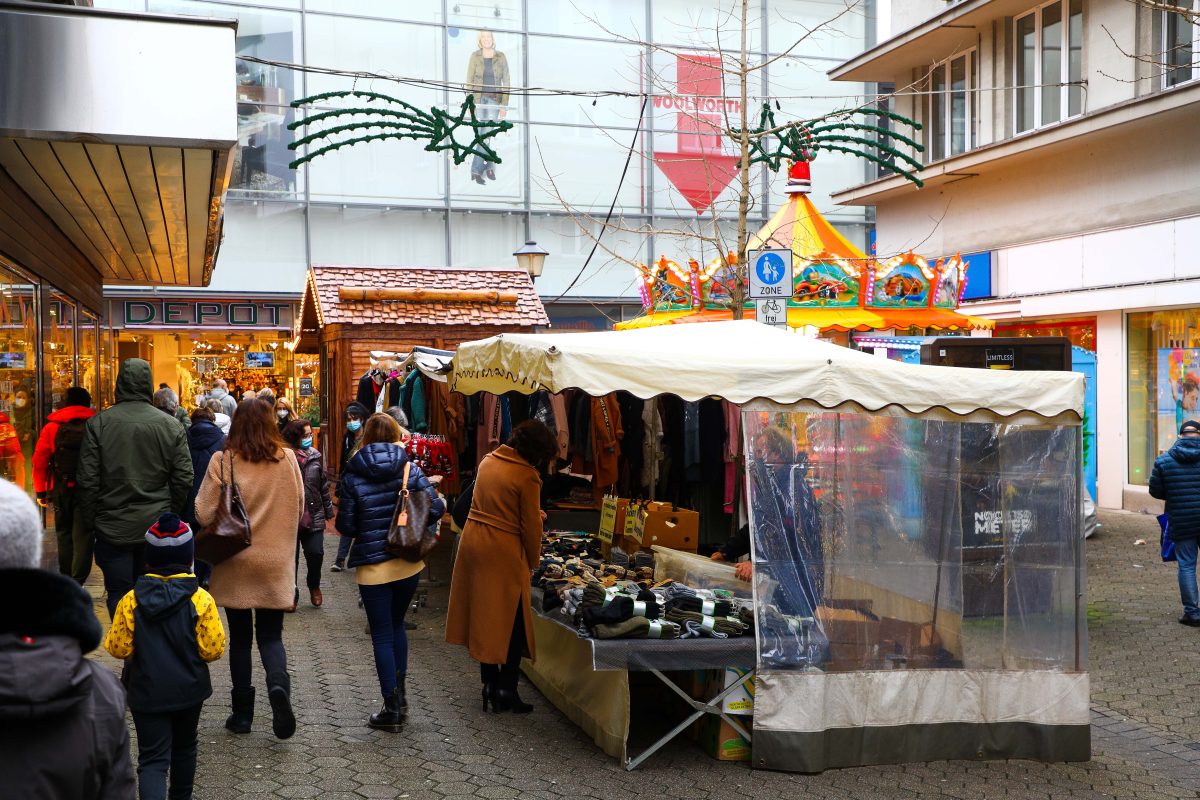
(770, 274)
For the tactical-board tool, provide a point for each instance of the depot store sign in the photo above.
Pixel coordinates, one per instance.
(169, 312)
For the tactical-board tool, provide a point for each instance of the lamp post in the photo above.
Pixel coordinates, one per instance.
(531, 258)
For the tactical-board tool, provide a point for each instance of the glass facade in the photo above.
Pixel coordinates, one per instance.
(1164, 383)
(392, 202)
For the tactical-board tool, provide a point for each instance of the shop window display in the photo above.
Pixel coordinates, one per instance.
(1081, 332)
(89, 354)
(59, 346)
(1164, 383)
(18, 376)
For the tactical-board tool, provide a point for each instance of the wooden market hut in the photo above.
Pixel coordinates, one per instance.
(349, 311)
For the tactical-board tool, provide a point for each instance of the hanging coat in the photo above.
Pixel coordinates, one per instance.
(606, 442)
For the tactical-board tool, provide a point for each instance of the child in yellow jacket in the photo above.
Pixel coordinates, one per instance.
(167, 630)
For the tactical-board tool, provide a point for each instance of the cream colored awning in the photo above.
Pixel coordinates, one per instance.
(744, 361)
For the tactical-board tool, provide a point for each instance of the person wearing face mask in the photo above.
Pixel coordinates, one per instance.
(318, 507)
(284, 413)
(356, 412)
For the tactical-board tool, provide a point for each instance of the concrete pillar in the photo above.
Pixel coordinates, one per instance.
(1112, 459)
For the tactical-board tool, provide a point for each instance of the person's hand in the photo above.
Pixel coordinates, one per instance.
(436, 480)
(717, 556)
(544, 515)
(744, 570)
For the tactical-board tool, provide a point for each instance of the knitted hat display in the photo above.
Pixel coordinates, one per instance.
(169, 545)
(20, 529)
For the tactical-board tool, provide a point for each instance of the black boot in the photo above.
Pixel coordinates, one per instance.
(389, 717)
(243, 711)
(279, 692)
(401, 694)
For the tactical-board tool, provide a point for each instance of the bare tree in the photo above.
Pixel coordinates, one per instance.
(729, 138)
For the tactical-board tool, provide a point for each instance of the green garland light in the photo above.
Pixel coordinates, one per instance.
(773, 145)
(437, 127)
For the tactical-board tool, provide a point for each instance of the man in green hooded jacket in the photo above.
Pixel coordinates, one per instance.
(133, 466)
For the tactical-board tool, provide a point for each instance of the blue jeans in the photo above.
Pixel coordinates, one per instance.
(386, 605)
(1185, 551)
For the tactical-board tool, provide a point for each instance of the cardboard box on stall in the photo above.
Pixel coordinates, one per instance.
(678, 529)
(740, 700)
(721, 741)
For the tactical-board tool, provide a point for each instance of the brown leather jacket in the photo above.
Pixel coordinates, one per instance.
(499, 88)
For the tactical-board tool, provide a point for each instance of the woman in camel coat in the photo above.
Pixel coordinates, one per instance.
(501, 544)
(257, 585)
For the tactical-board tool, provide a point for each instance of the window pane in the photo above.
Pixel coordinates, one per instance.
(18, 376)
(958, 106)
(1026, 71)
(581, 167)
(692, 24)
(485, 240)
(59, 350)
(833, 29)
(493, 15)
(617, 20)
(1075, 65)
(1178, 54)
(937, 115)
(263, 249)
(1052, 32)
(375, 237)
(264, 94)
(89, 355)
(574, 64)
(415, 10)
(606, 275)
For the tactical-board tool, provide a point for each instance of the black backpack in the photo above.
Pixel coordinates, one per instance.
(68, 441)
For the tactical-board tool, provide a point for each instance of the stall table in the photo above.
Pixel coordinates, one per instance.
(588, 679)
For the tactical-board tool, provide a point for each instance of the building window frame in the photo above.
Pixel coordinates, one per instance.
(1177, 74)
(942, 138)
(1069, 102)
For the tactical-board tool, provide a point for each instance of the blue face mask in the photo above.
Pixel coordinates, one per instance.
(306, 442)
(353, 425)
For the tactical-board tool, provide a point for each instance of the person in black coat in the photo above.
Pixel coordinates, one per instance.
(1175, 479)
(318, 506)
(370, 486)
(62, 715)
(204, 439)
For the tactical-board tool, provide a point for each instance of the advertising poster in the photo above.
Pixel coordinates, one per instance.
(1178, 393)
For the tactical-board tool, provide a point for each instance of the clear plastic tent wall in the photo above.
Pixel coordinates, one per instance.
(919, 589)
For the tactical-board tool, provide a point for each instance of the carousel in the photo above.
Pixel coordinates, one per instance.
(836, 288)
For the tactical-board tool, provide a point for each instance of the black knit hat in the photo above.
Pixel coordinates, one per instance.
(169, 545)
(78, 396)
(1190, 426)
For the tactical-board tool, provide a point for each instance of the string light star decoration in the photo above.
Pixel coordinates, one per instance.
(775, 145)
(463, 135)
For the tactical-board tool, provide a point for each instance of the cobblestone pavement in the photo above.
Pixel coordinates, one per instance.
(1146, 736)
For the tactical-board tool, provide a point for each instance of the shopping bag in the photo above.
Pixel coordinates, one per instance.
(1168, 546)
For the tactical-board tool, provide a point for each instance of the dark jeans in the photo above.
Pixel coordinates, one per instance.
(506, 674)
(74, 544)
(313, 545)
(166, 740)
(386, 605)
(343, 552)
(244, 625)
(121, 565)
(486, 109)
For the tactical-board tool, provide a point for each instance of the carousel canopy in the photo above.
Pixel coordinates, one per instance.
(835, 286)
(743, 361)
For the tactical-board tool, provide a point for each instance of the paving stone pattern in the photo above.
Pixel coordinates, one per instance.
(1146, 736)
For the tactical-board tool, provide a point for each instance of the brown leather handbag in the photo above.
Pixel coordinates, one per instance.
(410, 536)
(229, 533)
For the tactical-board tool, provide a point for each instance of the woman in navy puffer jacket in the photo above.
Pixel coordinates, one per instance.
(370, 489)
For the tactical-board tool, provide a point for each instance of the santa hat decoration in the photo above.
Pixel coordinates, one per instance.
(799, 179)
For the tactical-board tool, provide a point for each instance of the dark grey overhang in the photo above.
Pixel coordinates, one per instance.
(121, 128)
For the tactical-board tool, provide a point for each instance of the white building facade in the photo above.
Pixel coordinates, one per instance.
(1059, 141)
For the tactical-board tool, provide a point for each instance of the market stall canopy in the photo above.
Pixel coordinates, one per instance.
(835, 286)
(128, 154)
(742, 361)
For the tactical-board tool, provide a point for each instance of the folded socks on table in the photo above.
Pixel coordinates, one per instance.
(708, 608)
(727, 626)
(637, 628)
(694, 630)
(619, 610)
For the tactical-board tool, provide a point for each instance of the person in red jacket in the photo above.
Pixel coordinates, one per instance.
(54, 465)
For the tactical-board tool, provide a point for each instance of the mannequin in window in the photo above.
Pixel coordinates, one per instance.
(488, 82)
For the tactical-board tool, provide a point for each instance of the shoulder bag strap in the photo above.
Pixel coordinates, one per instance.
(404, 486)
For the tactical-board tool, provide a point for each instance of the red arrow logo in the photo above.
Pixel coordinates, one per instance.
(698, 169)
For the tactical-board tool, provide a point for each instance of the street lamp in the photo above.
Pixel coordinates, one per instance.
(531, 257)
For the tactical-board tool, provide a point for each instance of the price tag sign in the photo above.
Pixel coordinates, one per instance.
(608, 519)
(637, 525)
